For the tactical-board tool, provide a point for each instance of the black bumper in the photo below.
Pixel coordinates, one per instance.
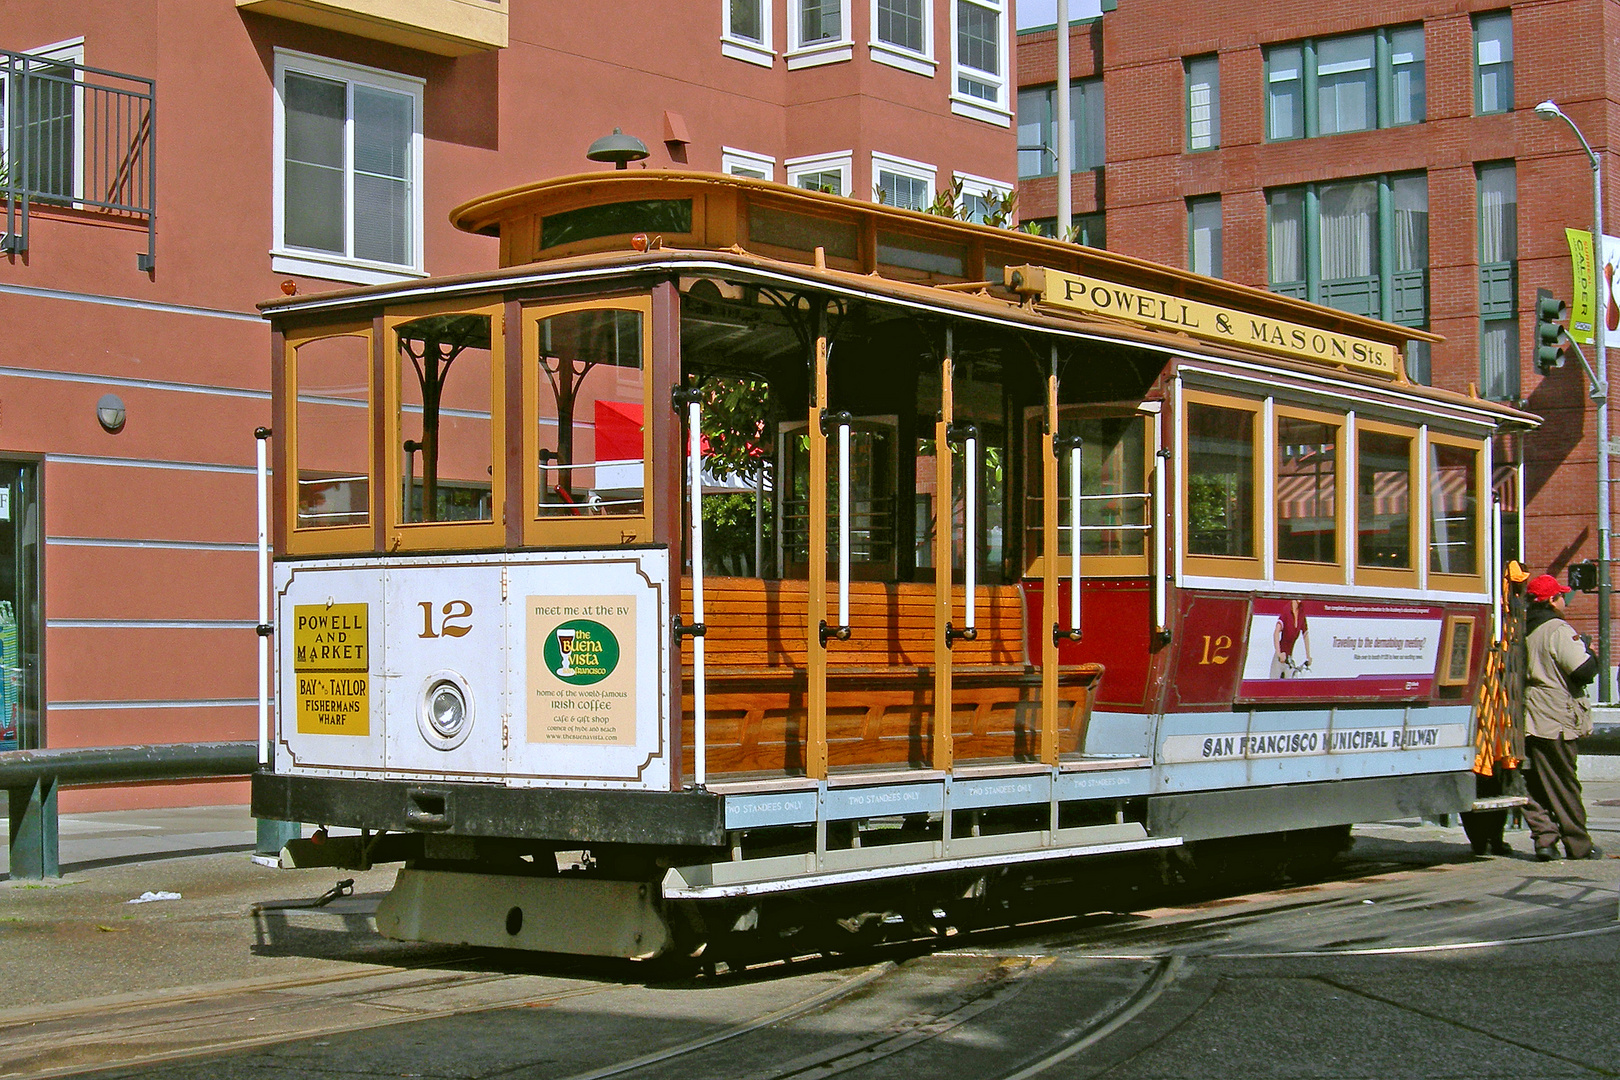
(570, 815)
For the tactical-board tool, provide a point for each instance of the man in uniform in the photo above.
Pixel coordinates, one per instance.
(1558, 668)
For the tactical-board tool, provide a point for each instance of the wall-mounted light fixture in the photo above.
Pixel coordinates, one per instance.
(110, 413)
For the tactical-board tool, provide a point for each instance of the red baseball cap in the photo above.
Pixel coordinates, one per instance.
(1545, 587)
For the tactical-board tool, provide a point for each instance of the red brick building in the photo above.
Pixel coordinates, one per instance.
(1384, 159)
(171, 163)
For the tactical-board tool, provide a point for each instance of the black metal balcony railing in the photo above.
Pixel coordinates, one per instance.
(76, 137)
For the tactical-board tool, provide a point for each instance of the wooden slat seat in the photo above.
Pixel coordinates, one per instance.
(880, 686)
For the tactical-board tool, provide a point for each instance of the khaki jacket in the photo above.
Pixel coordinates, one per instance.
(1550, 710)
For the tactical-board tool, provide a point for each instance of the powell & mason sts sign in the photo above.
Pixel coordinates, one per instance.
(1161, 311)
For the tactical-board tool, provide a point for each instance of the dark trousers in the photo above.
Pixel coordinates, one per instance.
(1555, 811)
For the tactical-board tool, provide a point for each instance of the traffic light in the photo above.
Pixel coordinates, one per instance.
(1583, 576)
(1549, 332)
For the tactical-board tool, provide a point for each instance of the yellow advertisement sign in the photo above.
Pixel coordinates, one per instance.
(331, 661)
(1161, 311)
(582, 669)
(1581, 294)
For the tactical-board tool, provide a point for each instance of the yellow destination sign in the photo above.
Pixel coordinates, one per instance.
(331, 658)
(1160, 311)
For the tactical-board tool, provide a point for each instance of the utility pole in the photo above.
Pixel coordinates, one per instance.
(1065, 147)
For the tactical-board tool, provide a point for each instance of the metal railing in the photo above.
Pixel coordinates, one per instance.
(79, 138)
(31, 778)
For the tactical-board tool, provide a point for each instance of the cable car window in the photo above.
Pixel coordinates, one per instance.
(801, 232)
(1220, 481)
(591, 405)
(1453, 509)
(616, 219)
(1384, 489)
(1307, 490)
(446, 408)
(873, 442)
(331, 383)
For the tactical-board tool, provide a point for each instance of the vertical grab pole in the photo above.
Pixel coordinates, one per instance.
(1160, 547)
(944, 750)
(970, 552)
(816, 545)
(1495, 568)
(694, 451)
(260, 436)
(843, 526)
(1049, 570)
(1074, 540)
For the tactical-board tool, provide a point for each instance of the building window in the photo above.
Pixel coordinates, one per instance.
(1355, 82)
(899, 182)
(42, 122)
(818, 33)
(1498, 279)
(979, 60)
(734, 162)
(829, 173)
(1204, 235)
(1493, 62)
(348, 152)
(1088, 229)
(984, 201)
(747, 32)
(903, 35)
(1203, 103)
(1358, 245)
(1037, 132)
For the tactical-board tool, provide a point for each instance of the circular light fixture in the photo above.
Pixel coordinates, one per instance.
(445, 713)
(110, 413)
(619, 148)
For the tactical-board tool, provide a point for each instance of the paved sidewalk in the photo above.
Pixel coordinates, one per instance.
(88, 841)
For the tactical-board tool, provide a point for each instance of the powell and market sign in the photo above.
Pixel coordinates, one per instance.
(1160, 311)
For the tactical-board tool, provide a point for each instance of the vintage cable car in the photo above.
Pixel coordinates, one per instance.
(738, 558)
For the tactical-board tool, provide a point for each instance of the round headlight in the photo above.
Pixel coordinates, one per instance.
(447, 709)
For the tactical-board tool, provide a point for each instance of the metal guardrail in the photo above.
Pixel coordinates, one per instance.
(31, 778)
(76, 138)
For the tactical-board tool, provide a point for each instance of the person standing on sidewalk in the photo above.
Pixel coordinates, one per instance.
(1559, 666)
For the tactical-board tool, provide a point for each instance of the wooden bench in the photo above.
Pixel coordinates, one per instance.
(880, 684)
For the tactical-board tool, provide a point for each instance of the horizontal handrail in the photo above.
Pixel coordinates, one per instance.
(74, 766)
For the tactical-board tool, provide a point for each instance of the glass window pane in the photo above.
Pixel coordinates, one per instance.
(1204, 235)
(1285, 95)
(1346, 82)
(1035, 147)
(1349, 218)
(830, 181)
(1453, 509)
(1086, 124)
(746, 21)
(591, 422)
(900, 23)
(1498, 212)
(1307, 490)
(445, 420)
(1203, 103)
(314, 202)
(332, 428)
(1493, 53)
(1407, 77)
(1113, 486)
(383, 126)
(1499, 359)
(1384, 487)
(977, 37)
(897, 189)
(1285, 229)
(820, 20)
(1220, 481)
(1410, 195)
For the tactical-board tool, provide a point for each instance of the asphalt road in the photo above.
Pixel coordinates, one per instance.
(1415, 960)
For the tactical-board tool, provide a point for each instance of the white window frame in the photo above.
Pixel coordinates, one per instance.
(800, 55)
(997, 112)
(319, 264)
(897, 56)
(842, 162)
(747, 49)
(732, 159)
(980, 186)
(69, 51)
(906, 167)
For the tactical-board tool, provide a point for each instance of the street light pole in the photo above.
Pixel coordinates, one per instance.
(1549, 110)
(1065, 143)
